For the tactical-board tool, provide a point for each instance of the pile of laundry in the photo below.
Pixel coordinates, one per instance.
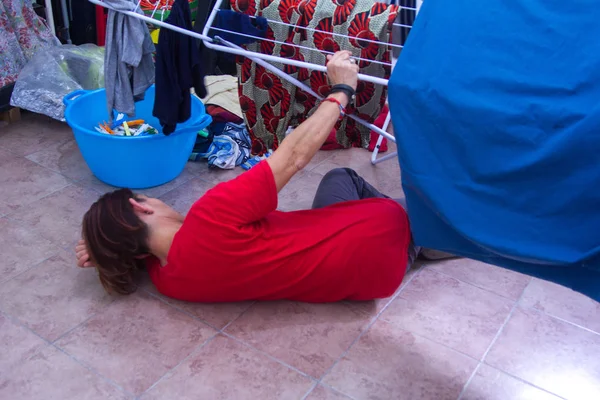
(226, 142)
(121, 127)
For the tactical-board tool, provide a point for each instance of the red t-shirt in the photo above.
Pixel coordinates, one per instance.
(234, 245)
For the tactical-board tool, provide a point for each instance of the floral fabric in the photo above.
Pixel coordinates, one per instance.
(22, 33)
(271, 104)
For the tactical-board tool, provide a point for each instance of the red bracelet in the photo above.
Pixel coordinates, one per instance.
(336, 101)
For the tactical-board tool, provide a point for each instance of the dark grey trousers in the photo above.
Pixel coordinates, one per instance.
(344, 184)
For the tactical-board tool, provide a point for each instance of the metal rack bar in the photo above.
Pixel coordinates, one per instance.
(298, 46)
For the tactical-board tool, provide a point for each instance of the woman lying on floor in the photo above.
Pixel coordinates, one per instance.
(233, 245)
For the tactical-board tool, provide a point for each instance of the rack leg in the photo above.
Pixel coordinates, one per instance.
(50, 16)
(66, 22)
(374, 159)
(376, 150)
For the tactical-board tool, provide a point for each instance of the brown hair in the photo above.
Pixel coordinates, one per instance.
(116, 239)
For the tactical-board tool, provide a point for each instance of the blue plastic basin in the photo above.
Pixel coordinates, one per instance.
(134, 162)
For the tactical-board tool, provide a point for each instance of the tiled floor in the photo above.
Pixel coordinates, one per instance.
(455, 329)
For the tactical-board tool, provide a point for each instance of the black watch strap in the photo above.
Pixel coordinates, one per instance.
(348, 90)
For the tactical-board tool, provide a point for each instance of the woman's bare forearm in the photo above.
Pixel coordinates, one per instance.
(303, 143)
(300, 146)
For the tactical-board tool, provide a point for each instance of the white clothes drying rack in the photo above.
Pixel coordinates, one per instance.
(218, 43)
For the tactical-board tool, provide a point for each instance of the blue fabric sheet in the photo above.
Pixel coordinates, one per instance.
(496, 108)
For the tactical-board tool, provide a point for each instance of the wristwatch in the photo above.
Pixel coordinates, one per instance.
(344, 89)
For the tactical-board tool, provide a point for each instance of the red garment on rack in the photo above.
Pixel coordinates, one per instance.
(271, 104)
(331, 142)
(375, 136)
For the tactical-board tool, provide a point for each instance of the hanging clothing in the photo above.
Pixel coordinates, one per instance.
(271, 104)
(236, 24)
(178, 69)
(128, 65)
(215, 62)
(497, 133)
(402, 27)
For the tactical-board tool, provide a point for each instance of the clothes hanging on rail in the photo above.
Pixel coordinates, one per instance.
(215, 62)
(241, 28)
(271, 104)
(128, 65)
(178, 69)
(402, 27)
(499, 147)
